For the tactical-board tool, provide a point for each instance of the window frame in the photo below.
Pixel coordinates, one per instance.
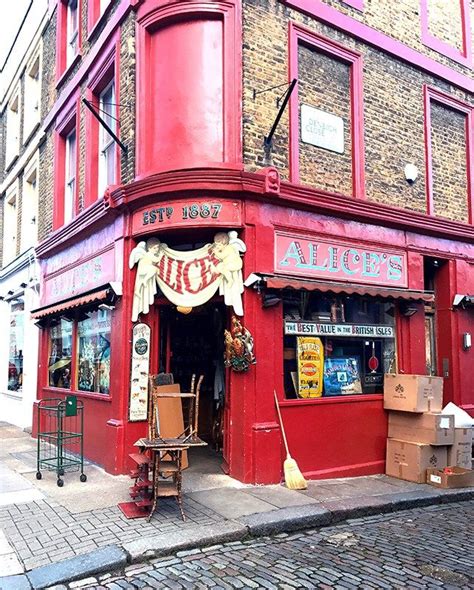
(301, 35)
(96, 11)
(19, 391)
(65, 59)
(74, 317)
(12, 147)
(30, 197)
(11, 224)
(69, 121)
(32, 111)
(105, 71)
(463, 57)
(430, 95)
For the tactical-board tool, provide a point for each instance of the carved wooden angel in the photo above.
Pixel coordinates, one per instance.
(227, 248)
(147, 255)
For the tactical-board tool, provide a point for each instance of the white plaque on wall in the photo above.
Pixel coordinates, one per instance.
(138, 409)
(322, 129)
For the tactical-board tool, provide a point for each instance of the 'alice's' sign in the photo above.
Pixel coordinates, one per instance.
(314, 258)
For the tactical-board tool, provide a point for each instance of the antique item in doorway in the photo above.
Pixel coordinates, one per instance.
(238, 354)
(191, 278)
(139, 375)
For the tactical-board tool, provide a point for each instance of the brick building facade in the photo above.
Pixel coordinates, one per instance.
(337, 238)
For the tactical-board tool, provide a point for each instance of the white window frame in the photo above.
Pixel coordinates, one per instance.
(29, 217)
(70, 167)
(13, 128)
(10, 224)
(15, 314)
(31, 116)
(107, 148)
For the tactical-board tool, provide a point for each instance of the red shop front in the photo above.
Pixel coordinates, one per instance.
(330, 305)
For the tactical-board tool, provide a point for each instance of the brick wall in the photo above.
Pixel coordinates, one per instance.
(127, 98)
(393, 107)
(401, 19)
(449, 170)
(324, 84)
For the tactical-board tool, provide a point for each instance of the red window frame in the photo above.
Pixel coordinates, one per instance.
(94, 16)
(300, 35)
(433, 95)
(463, 57)
(65, 124)
(62, 67)
(105, 70)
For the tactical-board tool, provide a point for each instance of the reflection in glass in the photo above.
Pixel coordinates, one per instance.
(60, 343)
(15, 359)
(93, 368)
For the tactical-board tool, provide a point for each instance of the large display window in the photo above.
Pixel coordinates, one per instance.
(79, 351)
(336, 345)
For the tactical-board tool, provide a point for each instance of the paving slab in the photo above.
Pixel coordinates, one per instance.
(15, 583)
(231, 502)
(286, 519)
(165, 544)
(82, 566)
(279, 496)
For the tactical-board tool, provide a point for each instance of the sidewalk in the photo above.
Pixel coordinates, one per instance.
(50, 535)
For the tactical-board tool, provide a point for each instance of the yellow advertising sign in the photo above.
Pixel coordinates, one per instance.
(310, 355)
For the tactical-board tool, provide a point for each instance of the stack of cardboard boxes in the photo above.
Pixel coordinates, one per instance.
(418, 434)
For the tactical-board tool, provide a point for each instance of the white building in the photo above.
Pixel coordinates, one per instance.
(20, 123)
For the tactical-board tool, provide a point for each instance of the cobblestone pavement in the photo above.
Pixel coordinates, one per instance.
(421, 548)
(42, 532)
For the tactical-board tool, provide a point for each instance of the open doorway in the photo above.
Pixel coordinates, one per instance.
(193, 344)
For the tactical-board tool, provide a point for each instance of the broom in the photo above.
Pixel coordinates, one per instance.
(293, 477)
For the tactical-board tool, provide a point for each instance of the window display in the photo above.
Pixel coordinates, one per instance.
(15, 359)
(336, 345)
(93, 345)
(60, 352)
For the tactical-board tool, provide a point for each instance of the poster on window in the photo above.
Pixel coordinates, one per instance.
(310, 355)
(342, 376)
(138, 409)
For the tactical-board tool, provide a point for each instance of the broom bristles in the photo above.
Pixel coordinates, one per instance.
(294, 479)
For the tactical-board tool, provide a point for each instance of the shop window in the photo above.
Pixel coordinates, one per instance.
(10, 216)
(337, 345)
(79, 357)
(29, 232)
(33, 92)
(13, 129)
(60, 354)
(15, 358)
(93, 345)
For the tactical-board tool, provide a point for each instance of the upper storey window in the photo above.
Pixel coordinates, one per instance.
(446, 28)
(107, 151)
(33, 92)
(68, 35)
(70, 176)
(13, 129)
(96, 9)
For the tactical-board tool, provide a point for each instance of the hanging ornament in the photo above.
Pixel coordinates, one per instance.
(373, 360)
(238, 354)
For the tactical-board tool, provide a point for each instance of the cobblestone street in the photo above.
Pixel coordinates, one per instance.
(422, 548)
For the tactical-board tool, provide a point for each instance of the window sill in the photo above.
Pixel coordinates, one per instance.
(15, 395)
(85, 394)
(343, 399)
(68, 69)
(100, 19)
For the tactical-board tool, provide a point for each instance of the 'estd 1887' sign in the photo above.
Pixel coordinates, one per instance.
(189, 212)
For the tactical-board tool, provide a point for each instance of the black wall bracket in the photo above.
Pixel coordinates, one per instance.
(91, 107)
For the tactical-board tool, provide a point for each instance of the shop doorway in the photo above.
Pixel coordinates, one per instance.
(193, 344)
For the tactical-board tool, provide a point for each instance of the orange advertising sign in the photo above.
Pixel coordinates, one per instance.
(310, 355)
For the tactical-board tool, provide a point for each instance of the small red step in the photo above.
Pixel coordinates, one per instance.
(139, 458)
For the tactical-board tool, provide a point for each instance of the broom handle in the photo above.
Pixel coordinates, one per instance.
(281, 423)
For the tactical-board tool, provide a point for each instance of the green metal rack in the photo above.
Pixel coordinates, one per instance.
(61, 437)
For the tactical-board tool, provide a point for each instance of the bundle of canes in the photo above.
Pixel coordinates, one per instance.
(294, 479)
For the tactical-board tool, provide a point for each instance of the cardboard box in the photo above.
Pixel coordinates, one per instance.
(429, 428)
(459, 454)
(410, 460)
(413, 393)
(457, 477)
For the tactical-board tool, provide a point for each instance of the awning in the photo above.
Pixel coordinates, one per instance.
(79, 301)
(281, 282)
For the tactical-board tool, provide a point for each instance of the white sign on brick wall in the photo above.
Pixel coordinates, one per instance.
(322, 129)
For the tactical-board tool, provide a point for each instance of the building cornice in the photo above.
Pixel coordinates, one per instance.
(236, 183)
